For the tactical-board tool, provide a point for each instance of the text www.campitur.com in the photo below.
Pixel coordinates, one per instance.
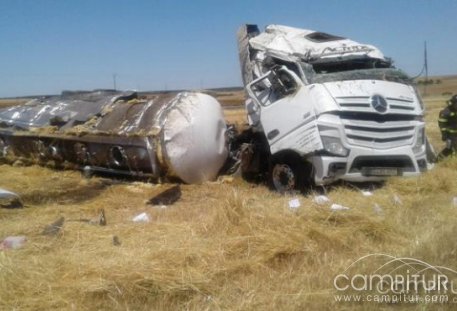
(403, 298)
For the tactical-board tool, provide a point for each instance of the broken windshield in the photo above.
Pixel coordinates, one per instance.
(386, 74)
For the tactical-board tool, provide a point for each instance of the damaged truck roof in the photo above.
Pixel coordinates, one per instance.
(289, 42)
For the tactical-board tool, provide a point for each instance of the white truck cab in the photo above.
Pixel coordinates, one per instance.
(330, 108)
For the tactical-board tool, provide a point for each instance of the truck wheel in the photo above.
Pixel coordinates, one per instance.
(288, 176)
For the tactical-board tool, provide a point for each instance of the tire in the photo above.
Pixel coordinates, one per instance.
(288, 175)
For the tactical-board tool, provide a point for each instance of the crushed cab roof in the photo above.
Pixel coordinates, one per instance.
(312, 46)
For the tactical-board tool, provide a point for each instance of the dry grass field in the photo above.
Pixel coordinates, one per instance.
(11, 102)
(225, 245)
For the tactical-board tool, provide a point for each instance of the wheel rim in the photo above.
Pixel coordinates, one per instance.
(283, 178)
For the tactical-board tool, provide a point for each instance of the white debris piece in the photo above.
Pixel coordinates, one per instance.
(397, 200)
(377, 209)
(294, 204)
(321, 199)
(9, 199)
(366, 193)
(454, 201)
(7, 194)
(338, 207)
(143, 217)
(13, 242)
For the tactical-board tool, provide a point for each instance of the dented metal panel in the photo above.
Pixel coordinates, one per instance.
(119, 133)
(245, 33)
(294, 42)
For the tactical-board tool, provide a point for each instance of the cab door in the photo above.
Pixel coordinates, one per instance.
(286, 113)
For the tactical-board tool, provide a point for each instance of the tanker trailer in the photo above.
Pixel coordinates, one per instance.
(167, 136)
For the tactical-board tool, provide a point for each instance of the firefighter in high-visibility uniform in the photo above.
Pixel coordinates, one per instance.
(448, 126)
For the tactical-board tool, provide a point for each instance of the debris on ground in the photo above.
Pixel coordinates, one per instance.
(397, 200)
(54, 228)
(116, 241)
(454, 201)
(143, 217)
(294, 203)
(13, 242)
(87, 172)
(100, 220)
(167, 197)
(10, 199)
(378, 210)
(367, 193)
(321, 199)
(338, 207)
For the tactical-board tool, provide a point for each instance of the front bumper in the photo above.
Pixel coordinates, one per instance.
(375, 143)
(354, 167)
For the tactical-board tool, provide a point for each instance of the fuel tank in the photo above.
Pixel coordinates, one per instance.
(169, 135)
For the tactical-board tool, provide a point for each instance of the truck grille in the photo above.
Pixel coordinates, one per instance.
(363, 104)
(378, 131)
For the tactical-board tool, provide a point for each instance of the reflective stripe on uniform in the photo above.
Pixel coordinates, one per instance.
(448, 130)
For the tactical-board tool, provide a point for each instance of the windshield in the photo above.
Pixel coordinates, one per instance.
(386, 74)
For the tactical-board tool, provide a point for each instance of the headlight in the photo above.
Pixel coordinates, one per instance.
(334, 146)
(420, 141)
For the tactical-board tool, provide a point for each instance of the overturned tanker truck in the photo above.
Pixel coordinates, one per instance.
(323, 108)
(169, 136)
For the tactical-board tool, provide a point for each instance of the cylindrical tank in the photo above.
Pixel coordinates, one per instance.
(193, 137)
(171, 135)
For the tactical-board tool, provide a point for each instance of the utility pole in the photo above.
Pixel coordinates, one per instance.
(426, 68)
(114, 81)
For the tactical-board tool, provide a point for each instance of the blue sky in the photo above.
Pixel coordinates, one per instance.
(48, 46)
